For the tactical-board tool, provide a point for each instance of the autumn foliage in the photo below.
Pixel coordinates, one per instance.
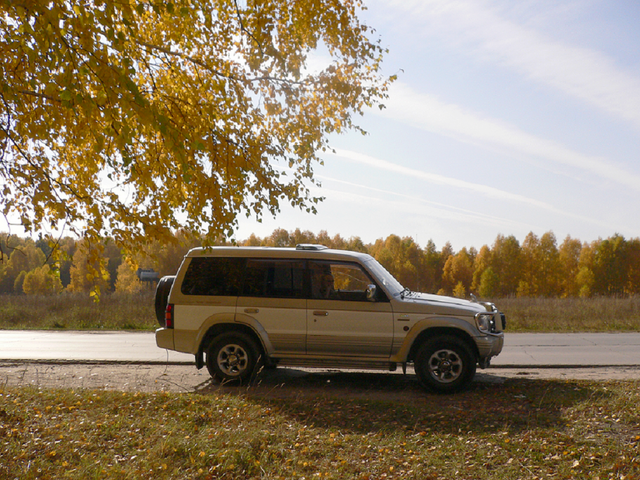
(535, 267)
(130, 120)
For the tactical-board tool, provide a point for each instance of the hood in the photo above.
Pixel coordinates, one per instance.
(430, 303)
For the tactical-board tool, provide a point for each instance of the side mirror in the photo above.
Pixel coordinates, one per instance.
(371, 293)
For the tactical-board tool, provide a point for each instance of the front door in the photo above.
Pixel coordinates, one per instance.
(341, 321)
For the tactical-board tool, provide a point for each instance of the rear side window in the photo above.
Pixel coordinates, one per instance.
(274, 278)
(221, 276)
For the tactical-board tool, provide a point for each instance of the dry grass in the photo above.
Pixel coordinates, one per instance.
(602, 314)
(78, 312)
(520, 429)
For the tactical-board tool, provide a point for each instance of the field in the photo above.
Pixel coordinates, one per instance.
(78, 312)
(519, 428)
(601, 314)
(136, 312)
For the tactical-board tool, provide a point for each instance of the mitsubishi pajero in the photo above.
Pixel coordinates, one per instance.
(238, 309)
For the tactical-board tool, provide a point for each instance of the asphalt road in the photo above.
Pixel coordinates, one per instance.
(520, 350)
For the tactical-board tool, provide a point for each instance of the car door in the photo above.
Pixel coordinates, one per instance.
(273, 297)
(341, 321)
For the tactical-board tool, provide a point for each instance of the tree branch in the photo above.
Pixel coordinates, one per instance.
(242, 27)
(183, 56)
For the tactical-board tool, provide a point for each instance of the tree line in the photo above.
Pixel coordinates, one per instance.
(538, 266)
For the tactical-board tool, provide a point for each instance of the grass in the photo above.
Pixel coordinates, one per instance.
(78, 312)
(136, 312)
(521, 429)
(599, 314)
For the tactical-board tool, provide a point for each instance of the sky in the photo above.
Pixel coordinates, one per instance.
(506, 118)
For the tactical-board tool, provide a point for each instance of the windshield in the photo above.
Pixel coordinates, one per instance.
(384, 277)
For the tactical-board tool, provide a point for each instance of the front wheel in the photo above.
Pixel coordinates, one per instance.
(445, 364)
(233, 358)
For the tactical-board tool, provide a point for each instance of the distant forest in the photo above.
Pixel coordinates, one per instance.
(537, 267)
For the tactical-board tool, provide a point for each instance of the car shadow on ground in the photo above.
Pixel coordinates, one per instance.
(366, 402)
(270, 381)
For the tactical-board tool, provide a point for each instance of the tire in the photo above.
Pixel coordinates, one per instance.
(162, 297)
(233, 358)
(445, 364)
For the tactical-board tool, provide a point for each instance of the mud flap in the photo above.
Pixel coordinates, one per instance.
(199, 360)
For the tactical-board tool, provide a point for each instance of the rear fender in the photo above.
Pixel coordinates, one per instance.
(227, 322)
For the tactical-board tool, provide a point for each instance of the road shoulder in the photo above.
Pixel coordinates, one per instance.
(187, 379)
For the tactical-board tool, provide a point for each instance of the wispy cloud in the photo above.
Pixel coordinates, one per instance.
(479, 29)
(480, 189)
(428, 113)
(433, 178)
(408, 203)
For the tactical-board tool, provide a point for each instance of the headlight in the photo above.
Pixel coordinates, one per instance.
(485, 322)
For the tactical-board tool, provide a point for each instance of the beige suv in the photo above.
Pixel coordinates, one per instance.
(238, 309)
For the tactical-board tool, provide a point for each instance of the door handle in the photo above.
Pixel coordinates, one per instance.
(319, 313)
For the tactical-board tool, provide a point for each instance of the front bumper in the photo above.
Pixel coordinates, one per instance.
(489, 346)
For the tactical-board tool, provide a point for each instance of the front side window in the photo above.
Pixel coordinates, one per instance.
(338, 281)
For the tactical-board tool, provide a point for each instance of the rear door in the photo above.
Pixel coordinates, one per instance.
(273, 296)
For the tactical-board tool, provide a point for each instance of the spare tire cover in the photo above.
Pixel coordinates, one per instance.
(162, 296)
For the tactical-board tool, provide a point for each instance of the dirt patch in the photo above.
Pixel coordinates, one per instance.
(282, 382)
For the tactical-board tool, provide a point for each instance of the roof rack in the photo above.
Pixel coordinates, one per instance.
(310, 246)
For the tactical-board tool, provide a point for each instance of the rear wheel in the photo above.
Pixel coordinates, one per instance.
(233, 358)
(445, 364)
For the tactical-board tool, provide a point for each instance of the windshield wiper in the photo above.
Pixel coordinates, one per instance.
(405, 293)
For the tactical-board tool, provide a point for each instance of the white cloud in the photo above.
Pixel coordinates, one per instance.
(478, 29)
(480, 189)
(428, 113)
(408, 203)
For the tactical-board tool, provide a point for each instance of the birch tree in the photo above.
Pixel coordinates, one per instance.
(135, 118)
